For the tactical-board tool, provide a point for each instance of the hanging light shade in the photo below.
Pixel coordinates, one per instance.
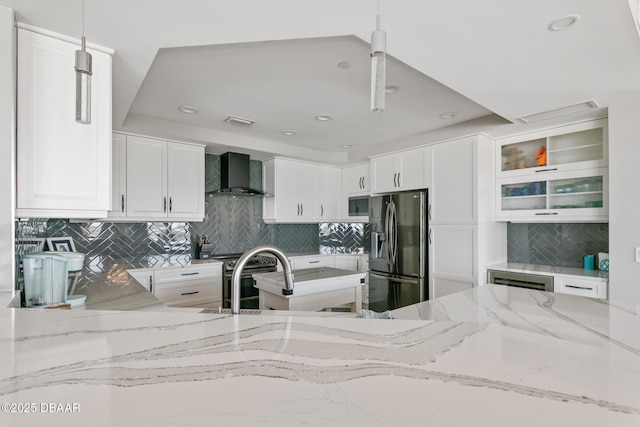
(378, 67)
(83, 80)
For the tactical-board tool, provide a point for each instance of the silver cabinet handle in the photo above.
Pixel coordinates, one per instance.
(546, 213)
(170, 204)
(298, 209)
(122, 203)
(195, 273)
(190, 293)
(314, 262)
(429, 212)
(164, 209)
(399, 179)
(301, 209)
(151, 283)
(430, 236)
(321, 210)
(579, 287)
(360, 182)
(547, 170)
(394, 179)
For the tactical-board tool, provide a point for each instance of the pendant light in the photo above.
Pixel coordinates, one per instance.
(378, 67)
(83, 80)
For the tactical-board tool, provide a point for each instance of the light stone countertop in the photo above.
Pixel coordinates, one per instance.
(493, 356)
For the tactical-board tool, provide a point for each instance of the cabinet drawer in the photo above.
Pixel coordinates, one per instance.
(581, 287)
(312, 262)
(182, 295)
(188, 274)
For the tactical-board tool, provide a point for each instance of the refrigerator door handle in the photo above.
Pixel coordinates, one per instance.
(394, 279)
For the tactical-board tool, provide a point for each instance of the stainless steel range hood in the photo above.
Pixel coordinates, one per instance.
(234, 177)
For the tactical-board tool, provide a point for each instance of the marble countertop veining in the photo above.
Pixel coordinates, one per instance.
(492, 356)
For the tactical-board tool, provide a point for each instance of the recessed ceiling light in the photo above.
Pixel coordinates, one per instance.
(346, 146)
(289, 132)
(187, 109)
(344, 65)
(449, 115)
(323, 117)
(563, 23)
(391, 89)
(239, 121)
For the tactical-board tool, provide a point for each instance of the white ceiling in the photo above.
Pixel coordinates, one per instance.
(491, 61)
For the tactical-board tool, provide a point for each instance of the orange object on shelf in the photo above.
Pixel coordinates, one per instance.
(541, 156)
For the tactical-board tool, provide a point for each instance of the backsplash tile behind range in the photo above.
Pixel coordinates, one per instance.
(232, 225)
(555, 244)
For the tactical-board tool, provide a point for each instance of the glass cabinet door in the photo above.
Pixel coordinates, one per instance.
(569, 194)
(582, 149)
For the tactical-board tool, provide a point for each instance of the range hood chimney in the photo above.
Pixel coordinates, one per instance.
(234, 177)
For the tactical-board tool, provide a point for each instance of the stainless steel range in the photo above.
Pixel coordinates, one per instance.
(248, 294)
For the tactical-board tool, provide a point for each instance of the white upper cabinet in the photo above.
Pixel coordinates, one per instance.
(578, 146)
(329, 183)
(302, 192)
(400, 171)
(355, 180)
(555, 175)
(146, 178)
(453, 183)
(118, 175)
(163, 180)
(63, 167)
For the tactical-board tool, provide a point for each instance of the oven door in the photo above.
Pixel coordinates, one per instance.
(249, 295)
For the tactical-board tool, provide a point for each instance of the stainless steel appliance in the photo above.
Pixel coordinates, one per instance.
(398, 262)
(248, 294)
(359, 206)
(538, 282)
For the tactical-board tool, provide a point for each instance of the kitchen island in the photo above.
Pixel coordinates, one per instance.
(314, 289)
(504, 357)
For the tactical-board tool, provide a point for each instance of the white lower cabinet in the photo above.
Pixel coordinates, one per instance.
(586, 287)
(192, 286)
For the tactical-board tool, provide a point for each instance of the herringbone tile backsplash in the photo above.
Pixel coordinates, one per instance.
(555, 244)
(233, 225)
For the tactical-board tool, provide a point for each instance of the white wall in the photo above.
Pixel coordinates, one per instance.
(624, 204)
(7, 148)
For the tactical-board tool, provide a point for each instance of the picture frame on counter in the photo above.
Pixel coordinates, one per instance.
(61, 244)
(29, 245)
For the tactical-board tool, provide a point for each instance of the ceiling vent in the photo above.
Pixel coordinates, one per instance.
(239, 121)
(575, 108)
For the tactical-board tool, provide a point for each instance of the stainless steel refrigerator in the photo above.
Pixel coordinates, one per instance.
(398, 262)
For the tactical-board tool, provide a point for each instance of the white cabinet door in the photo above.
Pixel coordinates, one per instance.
(413, 169)
(355, 180)
(185, 186)
(118, 175)
(280, 178)
(329, 182)
(146, 177)
(453, 181)
(384, 173)
(402, 171)
(302, 192)
(452, 254)
(63, 167)
(308, 192)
